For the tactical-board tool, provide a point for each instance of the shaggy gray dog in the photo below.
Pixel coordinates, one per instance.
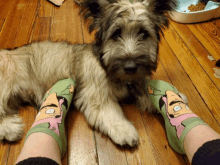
(115, 66)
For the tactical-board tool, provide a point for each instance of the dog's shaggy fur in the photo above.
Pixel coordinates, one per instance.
(115, 66)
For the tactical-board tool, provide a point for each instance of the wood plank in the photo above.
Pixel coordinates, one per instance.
(66, 21)
(207, 39)
(197, 49)
(4, 152)
(12, 23)
(6, 8)
(143, 154)
(88, 38)
(2, 21)
(108, 152)
(74, 29)
(81, 143)
(2, 3)
(203, 83)
(26, 24)
(28, 115)
(161, 73)
(59, 24)
(216, 23)
(64, 160)
(46, 9)
(213, 32)
(41, 30)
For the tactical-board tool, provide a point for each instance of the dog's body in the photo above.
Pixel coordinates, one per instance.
(114, 67)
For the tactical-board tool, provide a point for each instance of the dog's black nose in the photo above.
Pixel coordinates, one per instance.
(130, 67)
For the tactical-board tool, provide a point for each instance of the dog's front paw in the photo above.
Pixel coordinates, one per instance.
(124, 133)
(11, 128)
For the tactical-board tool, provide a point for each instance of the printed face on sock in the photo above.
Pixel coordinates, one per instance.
(50, 108)
(175, 105)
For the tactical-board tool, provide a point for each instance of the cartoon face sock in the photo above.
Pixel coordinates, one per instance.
(179, 119)
(50, 119)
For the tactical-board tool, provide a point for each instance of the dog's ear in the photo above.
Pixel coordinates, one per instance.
(158, 12)
(92, 10)
(95, 7)
(158, 8)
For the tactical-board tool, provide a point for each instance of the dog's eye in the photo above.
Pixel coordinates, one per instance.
(143, 34)
(142, 58)
(116, 34)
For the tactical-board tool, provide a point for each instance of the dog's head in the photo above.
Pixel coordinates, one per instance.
(127, 34)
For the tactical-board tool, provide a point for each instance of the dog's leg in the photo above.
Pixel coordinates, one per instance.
(110, 120)
(16, 86)
(11, 128)
(103, 112)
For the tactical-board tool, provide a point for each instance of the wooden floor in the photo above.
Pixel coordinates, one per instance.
(182, 61)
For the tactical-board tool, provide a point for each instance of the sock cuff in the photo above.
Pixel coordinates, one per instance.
(208, 153)
(37, 161)
(199, 121)
(52, 134)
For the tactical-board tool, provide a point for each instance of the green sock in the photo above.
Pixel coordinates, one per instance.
(51, 116)
(179, 119)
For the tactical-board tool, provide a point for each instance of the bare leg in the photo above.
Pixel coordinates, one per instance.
(46, 138)
(186, 132)
(196, 137)
(35, 147)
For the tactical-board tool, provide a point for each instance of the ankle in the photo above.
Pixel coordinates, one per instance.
(196, 137)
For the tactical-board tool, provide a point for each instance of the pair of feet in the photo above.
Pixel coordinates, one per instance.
(179, 119)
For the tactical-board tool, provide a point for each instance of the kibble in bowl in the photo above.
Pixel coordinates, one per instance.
(185, 12)
(198, 7)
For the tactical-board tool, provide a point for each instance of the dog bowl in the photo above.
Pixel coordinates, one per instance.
(182, 15)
